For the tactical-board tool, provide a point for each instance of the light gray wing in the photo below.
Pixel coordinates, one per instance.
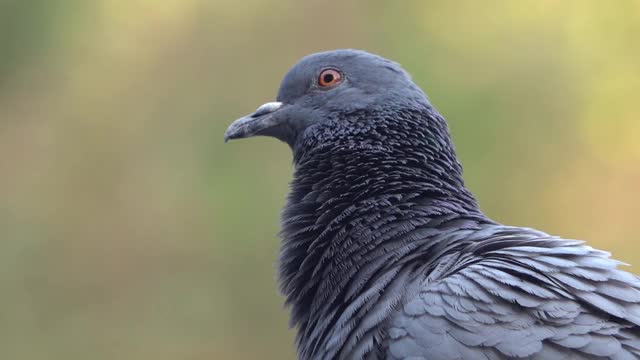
(545, 299)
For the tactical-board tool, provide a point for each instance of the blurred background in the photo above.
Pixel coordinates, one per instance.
(129, 230)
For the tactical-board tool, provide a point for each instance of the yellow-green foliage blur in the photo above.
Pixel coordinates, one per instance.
(129, 230)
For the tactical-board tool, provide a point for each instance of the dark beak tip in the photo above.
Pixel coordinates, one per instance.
(231, 133)
(228, 137)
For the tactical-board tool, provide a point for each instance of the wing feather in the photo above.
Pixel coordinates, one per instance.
(546, 299)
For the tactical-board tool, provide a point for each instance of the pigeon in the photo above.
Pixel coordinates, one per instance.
(385, 254)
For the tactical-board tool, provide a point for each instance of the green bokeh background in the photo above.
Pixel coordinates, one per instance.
(129, 230)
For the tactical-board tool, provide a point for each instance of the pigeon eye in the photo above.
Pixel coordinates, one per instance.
(329, 77)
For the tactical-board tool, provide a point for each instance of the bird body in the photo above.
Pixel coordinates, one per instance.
(385, 253)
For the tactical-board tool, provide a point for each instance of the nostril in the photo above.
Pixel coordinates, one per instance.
(267, 108)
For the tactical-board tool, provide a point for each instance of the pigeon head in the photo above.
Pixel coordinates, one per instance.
(358, 109)
(326, 86)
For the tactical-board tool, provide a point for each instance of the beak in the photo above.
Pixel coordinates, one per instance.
(261, 122)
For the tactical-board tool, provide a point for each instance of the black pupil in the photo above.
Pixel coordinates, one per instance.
(327, 78)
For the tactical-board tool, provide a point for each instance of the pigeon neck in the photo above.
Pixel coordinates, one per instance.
(403, 153)
(350, 199)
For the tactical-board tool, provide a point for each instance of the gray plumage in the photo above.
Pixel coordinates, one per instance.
(386, 255)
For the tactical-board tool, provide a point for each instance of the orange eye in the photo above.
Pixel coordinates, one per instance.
(329, 77)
